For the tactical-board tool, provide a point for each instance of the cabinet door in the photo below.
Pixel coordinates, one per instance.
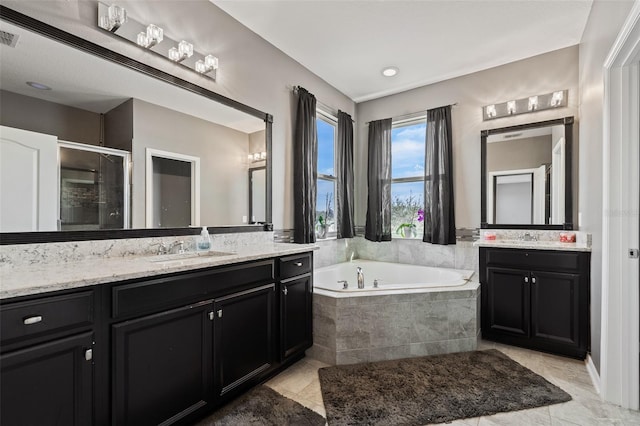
(48, 384)
(555, 306)
(296, 315)
(244, 340)
(507, 301)
(162, 368)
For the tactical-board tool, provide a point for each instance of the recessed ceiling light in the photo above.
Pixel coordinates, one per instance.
(37, 85)
(390, 71)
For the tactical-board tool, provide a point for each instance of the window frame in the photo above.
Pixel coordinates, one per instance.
(332, 120)
(405, 123)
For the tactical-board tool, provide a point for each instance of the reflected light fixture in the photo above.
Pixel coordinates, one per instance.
(390, 71)
(529, 104)
(257, 156)
(114, 19)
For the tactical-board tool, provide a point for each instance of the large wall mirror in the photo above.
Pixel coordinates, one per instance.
(527, 176)
(92, 141)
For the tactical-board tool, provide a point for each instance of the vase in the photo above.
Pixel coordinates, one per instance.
(321, 231)
(408, 232)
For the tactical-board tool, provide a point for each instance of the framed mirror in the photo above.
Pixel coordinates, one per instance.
(526, 176)
(111, 140)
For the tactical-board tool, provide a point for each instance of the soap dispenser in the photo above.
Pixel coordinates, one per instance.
(203, 242)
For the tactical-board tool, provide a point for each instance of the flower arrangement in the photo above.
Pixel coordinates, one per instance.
(408, 229)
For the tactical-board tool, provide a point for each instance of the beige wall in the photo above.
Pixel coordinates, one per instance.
(516, 154)
(602, 28)
(65, 122)
(252, 71)
(223, 161)
(537, 75)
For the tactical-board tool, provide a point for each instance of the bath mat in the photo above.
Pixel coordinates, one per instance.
(263, 406)
(433, 389)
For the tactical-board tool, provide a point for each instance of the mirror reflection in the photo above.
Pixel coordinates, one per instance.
(526, 176)
(89, 144)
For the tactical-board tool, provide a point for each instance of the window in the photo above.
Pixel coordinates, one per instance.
(407, 178)
(326, 183)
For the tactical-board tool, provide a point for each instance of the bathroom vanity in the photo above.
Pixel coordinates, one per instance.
(536, 295)
(163, 349)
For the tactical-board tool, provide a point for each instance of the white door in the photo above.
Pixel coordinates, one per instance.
(28, 181)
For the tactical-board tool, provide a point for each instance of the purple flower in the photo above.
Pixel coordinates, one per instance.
(420, 215)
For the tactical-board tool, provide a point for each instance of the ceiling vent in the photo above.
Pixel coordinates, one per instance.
(512, 135)
(8, 39)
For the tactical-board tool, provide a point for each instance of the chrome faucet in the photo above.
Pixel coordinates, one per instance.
(528, 237)
(179, 244)
(360, 275)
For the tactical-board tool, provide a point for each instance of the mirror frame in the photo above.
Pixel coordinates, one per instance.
(46, 30)
(568, 178)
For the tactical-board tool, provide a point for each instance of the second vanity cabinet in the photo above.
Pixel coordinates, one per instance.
(536, 298)
(162, 350)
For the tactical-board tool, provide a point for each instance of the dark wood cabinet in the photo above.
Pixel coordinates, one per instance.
(162, 366)
(161, 350)
(48, 384)
(536, 299)
(244, 337)
(295, 315)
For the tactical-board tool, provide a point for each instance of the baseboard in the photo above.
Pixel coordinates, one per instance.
(593, 373)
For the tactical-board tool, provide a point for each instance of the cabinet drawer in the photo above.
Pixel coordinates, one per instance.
(167, 292)
(292, 266)
(534, 259)
(48, 314)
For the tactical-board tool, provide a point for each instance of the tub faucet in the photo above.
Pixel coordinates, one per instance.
(360, 275)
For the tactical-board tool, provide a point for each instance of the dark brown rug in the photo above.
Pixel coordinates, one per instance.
(433, 389)
(263, 406)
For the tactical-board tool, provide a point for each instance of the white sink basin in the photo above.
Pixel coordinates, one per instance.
(181, 258)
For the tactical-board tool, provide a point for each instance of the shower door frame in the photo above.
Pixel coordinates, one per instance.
(126, 182)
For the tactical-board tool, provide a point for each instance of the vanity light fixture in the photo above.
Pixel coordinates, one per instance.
(257, 156)
(529, 104)
(114, 19)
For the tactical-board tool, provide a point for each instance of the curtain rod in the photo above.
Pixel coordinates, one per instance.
(411, 115)
(327, 109)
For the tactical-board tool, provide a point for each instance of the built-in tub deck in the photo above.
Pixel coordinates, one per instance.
(369, 324)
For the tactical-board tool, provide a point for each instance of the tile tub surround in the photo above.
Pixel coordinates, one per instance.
(352, 329)
(73, 265)
(462, 255)
(545, 240)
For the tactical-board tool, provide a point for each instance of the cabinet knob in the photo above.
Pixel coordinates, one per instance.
(298, 263)
(526, 279)
(533, 280)
(285, 291)
(32, 320)
(88, 354)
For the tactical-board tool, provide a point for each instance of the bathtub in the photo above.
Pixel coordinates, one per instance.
(390, 276)
(415, 311)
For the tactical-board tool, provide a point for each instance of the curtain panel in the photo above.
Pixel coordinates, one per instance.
(378, 225)
(439, 216)
(305, 160)
(344, 163)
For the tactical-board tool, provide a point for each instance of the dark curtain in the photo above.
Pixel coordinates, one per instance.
(305, 160)
(439, 217)
(344, 160)
(378, 226)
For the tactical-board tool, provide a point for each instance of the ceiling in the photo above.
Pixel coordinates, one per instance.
(87, 82)
(348, 43)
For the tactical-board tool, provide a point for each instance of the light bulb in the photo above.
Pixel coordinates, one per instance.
(185, 49)
(533, 103)
(556, 98)
(155, 35)
(490, 110)
(511, 107)
(142, 40)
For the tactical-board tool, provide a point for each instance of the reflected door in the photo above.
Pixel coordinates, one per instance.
(28, 181)
(257, 197)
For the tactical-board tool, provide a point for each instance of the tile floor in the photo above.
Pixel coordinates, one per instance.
(300, 382)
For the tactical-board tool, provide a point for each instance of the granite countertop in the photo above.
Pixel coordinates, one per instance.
(534, 245)
(46, 277)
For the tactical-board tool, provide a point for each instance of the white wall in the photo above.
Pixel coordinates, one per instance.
(252, 71)
(604, 23)
(537, 75)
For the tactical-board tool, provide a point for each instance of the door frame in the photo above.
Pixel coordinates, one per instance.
(620, 372)
(195, 183)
